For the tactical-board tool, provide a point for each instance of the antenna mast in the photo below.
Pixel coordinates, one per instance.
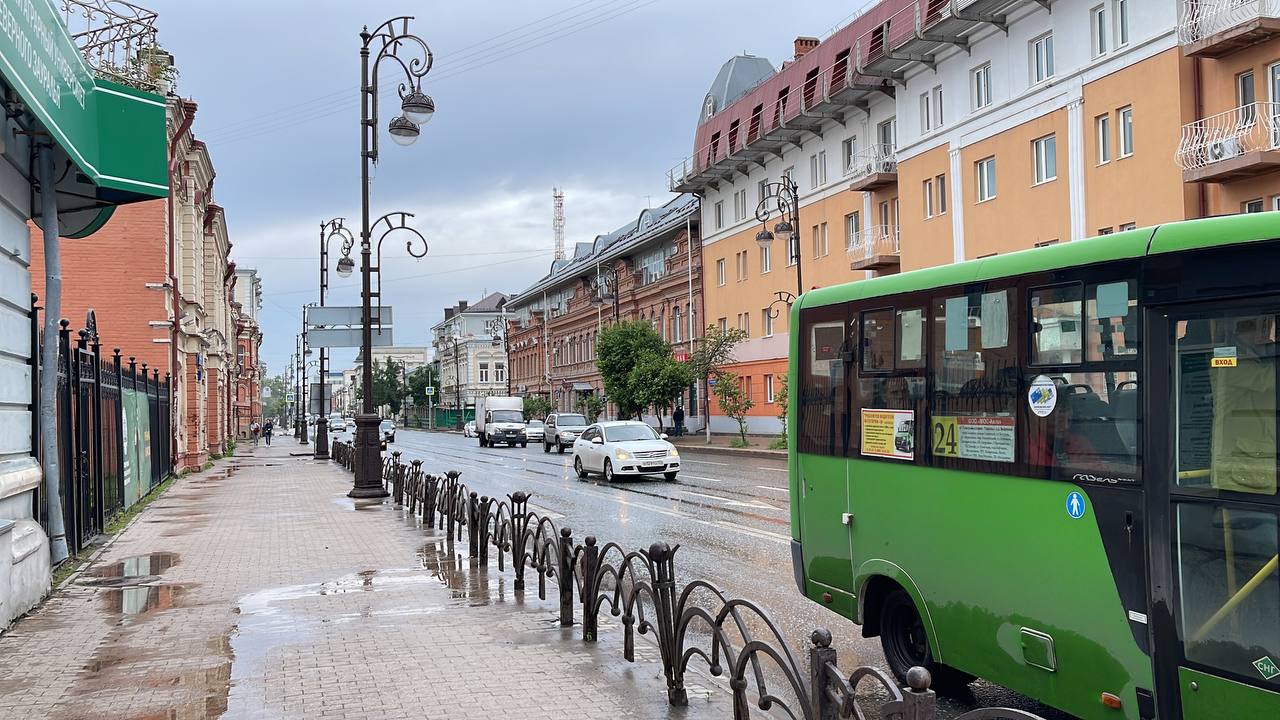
(557, 220)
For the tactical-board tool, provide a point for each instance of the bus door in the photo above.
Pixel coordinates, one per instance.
(1213, 508)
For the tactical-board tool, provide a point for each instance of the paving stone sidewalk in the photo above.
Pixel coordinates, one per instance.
(266, 593)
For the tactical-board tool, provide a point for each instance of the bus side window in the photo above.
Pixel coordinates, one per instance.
(822, 407)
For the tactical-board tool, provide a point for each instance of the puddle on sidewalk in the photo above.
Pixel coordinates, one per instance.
(142, 599)
(135, 570)
(347, 503)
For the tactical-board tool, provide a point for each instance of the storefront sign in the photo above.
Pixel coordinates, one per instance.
(889, 433)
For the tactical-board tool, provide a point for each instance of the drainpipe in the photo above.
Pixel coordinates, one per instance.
(49, 352)
(1196, 76)
(189, 116)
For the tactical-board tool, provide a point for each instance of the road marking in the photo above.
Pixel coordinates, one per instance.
(775, 489)
(781, 470)
(762, 534)
(700, 477)
(731, 503)
(707, 462)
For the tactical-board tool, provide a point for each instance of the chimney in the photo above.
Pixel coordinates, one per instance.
(448, 313)
(462, 305)
(804, 44)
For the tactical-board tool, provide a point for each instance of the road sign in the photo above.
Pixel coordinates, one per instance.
(346, 337)
(1075, 505)
(711, 381)
(320, 398)
(431, 390)
(341, 315)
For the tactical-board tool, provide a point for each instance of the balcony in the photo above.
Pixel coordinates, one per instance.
(118, 39)
(1239, 143)
(875, 248)
(1214, 28)
(874, 168)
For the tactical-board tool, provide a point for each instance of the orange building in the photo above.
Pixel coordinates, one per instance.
(927, 132)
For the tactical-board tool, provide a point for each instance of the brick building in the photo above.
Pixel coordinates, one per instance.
(247, 405)
(655, 262)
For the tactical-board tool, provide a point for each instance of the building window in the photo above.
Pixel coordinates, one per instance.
(766, 323)
(747, 386)
(1103, 125)
(852, 229)
(941, 182)
(937, 106)
(768, 388)
(500, 372)
(819, 236)
(1045, 151)
(1252, 206)
(926, 113)
(766, 258)
(740, 204)
(790, 172)
(1128, 226)
(1126, 131)
(1105, 231)
(887, 134)
(719, 209)
(741, 259)
(762, 189)
(1245, 97)
(484, 372)
(986, 178)
(928, 198)
(1099, 29)
(981, 84)
(1121, 8)
(818, 169)
(744, 323)
(723, 324)
(720, 275)
(848, 150)
(1041, 51)
(675, 324)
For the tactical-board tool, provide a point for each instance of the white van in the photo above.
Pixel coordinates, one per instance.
(501, 421)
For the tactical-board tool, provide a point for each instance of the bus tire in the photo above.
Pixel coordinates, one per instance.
(906, 644)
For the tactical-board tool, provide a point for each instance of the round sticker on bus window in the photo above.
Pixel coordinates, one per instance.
(1043, 396)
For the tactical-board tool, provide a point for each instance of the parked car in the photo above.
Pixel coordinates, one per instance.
(469, 430)
(624, 447)
(336, 422)
(387, 429)
(533, 430)
(561, 430)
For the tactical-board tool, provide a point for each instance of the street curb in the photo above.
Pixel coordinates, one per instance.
(740, 452)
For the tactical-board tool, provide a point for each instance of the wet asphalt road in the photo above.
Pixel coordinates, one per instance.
(730, 516)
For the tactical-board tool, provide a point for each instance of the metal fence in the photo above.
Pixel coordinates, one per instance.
(114, 430)
(693, 623)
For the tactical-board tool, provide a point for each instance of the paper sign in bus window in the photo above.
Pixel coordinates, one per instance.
(911, 322)
(990, 438)
(995, 320)
(957, 310)
(1113, 299)
(889, 433)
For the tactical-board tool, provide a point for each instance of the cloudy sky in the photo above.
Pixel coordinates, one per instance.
(597, 97)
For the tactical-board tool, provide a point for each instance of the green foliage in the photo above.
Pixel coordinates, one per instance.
(590, 405)
(779, 443)
(419, 381)
(656, 381)
(619, 349)
(273, 407)
(739, 442)
(780, 396)
(734, 402)
(536, 407)
(714, 348)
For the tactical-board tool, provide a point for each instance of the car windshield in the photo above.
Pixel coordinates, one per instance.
(387, 424)
(570, 420)
(512, 416)
(626, 433)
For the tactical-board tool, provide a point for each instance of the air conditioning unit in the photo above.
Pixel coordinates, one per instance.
(1224, 149)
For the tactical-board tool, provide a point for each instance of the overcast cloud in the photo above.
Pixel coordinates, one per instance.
(598, 97)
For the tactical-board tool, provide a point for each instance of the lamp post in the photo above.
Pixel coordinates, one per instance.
(785, 200)
(457, 378)
(297, 385)
(328, 230)
(304, 388)
(390, 39)
(498, 332)
(605, 286)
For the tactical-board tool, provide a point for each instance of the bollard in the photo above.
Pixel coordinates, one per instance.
(820, 654)
(473, 530)
(564, 577)
(590, 559)
(918, 701)
(429, 500)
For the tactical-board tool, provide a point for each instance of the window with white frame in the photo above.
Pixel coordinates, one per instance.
(1041, 57)
(1128, 226)
(937, 106)
(985, 171)
(652, 265)
(887, 133)
(1099, 30)
(723, 325)
(928, 198)
(818, 169)
(818, 235)
(1045, 152)
(766, 258)
(1102, 124)
(742, 265)
(980, 82)
(499, 372)
(484, 372)
(739, 204)
(744, 323)
(719, 211)
(676, 328)
(720, 274)
(762, 189)
(941, 182)
(852, 228)
(1125, 115)
(768, 389)
(848, 151)
(766, 322)
(1252, 206)
(926, 114)
(790, 172)
(1120, 10)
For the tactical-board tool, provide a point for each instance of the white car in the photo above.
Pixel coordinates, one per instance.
(625, 447)
(469, 430)
(337, 423)
(533, 430)
(387, 429)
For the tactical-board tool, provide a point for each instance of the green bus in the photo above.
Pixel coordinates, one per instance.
(1087, 512)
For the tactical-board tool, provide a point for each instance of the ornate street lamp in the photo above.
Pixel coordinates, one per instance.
(396, 44)
(785, 200)
(328, 230)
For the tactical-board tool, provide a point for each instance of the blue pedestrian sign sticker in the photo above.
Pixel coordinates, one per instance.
(1075, 505)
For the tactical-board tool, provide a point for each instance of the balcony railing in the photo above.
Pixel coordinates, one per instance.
(877, 159)
(874, 247)
(1202, 19)
(1230, 138)
(118, 39)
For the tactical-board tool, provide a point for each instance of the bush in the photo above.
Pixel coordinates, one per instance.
(739, 442)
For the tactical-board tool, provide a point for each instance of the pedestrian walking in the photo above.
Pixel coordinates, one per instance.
(677, 418)
(267, 430)
(255, 429)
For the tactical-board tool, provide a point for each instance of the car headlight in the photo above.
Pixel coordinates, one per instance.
(673, 452)
(624, 455)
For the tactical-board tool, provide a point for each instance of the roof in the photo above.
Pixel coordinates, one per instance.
(491, 303)
(1172, 237)
(736, 78)
(649, 223)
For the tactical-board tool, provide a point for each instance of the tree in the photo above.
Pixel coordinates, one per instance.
(536, 407)
(714, 349)
(590, 405)
(388, 389)
(780, 397)
(619, 349)
(734, 402)
(657, 380)
(418, 382)
(273, 406)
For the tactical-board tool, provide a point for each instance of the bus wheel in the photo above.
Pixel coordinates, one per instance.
(906, 644)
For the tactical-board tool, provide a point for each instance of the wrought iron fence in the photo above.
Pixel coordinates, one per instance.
(113, 425)
(693, 623)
